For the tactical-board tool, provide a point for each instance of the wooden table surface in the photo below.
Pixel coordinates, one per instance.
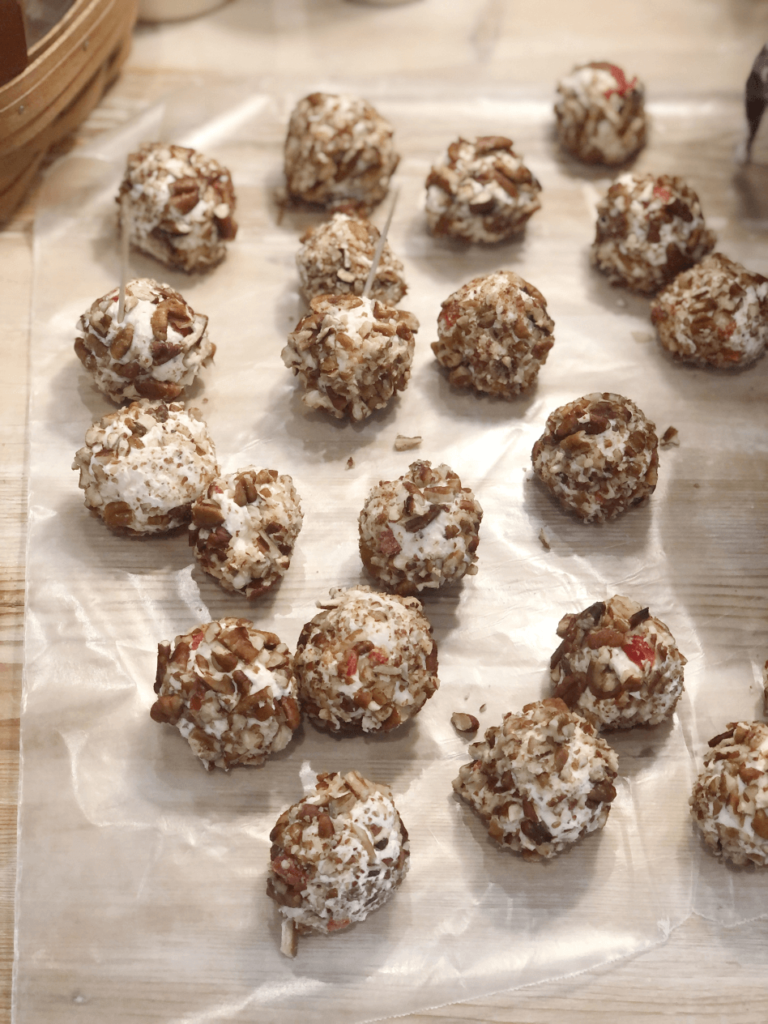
(702, 973)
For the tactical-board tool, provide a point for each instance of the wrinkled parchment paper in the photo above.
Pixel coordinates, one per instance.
(141, 892)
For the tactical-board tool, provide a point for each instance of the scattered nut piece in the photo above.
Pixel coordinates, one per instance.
(404, 444)
(544, 540)
(350, 463)
(670, 438)
(463, 722)
(482, 708)
(289, 940)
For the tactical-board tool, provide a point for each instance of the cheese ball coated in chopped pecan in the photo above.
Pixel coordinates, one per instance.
(649, 229)
(598, 456)
(600, 115)
(729, 802)
(230, 690)
(155, 352)
(494, 334)
(481, 191)
(143, 466)
(542, 779)
(617, 665)
(180, 206)
(421, 530)
(351, 354)
(338, 151)
(714, 314)
(337, 855)
(367, 662)
(244, 528)
(336, 257)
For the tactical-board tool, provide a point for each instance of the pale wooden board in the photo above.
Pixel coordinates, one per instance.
(703, 973)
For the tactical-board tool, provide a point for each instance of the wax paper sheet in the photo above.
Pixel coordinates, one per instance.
(141, 877)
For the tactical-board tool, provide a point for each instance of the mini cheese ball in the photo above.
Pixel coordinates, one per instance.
(230, 690)
(729, 802)
(351, 354)
(338, 151)
(156, 351)
(600, 114)
(336, 258)
(617, 665)
(337, 855)
(143, 466)
(244, 529)
(649, 229)
(715, 314)
(481, 191)
(494, 334)
(541, 780)
(180, 205)
(598, 456)
(421, 530)
(367, 662)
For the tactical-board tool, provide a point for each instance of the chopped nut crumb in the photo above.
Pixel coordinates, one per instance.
(350, 463)
(404, 444)
(482, 708)
(670, 437)
(289, 939)
(544, 540)
(463, 722)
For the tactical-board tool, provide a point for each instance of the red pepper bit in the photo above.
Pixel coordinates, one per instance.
(623, 85)
(450, 314)
(334, 926)
(196, 641)
(662, 193)
(351, 663)
(378, 658)
(639, 650)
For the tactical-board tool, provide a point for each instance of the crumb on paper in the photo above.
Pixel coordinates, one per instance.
(482, 708)
(670, 437)
(641, 337)
(544, 540)
(350, 463)
(621, 303)
(463, 722)
(404, 444)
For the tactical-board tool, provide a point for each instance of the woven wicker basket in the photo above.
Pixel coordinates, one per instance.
(68, 71)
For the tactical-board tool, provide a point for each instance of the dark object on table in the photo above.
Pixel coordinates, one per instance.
(13, 41)
(755, 98)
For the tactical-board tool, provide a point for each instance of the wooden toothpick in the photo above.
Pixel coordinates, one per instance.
(124, 247)
(380, 247)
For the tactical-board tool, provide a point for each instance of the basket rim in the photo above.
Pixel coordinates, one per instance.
(40, 92)
(63, 40)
